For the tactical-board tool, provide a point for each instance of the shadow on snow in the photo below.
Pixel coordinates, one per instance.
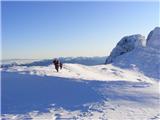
(22, 93)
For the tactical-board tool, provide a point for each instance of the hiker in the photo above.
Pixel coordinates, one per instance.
(56, 64)
(60, 65)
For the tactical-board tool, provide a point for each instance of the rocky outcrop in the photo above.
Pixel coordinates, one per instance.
(153, 39)
(126, 44)
(132, 53)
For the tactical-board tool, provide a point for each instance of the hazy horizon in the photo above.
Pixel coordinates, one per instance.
(44, 30)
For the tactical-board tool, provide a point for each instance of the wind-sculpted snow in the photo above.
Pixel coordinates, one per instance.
(144, 60)
(78, 92)
(78, 71)
(24, 93)
(26, 96)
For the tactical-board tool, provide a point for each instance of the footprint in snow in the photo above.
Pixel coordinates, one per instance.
(139, 79)
(104, 68)
(112, 109)
(157, 117)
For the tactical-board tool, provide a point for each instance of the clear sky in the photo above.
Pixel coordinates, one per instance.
(36, 30)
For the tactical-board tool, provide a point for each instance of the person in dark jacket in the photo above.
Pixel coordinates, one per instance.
(56, 64)
(60, 65)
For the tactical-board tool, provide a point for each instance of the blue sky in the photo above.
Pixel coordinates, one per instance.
(36, 30)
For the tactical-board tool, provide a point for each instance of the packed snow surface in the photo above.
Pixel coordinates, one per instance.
(78, 92)
(78, 71)
(145, 60)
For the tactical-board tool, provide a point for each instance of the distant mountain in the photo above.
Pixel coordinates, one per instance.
(84, 60)
(79, 60)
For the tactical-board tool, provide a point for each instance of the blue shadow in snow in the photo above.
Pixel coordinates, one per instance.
(23, 93)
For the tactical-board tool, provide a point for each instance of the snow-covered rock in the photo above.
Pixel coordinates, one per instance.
(126, 44)
(153, 39)
(136, 56)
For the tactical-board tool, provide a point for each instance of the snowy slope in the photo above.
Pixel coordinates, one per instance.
(78, 92)
(127, 89)
(50, 97)
(78, 71)
(145, 60)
